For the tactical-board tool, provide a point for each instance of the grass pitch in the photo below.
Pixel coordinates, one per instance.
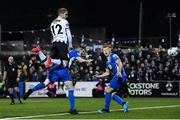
(57, 108)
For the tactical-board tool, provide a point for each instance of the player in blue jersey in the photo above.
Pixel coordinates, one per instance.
(75, 55)
(125, 89)
(54, 73)
(114, 67)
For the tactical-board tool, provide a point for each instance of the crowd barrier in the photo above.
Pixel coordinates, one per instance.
(148, 89)
(82, 89)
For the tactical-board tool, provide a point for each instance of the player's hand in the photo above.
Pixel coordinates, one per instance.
(18, 79)
(3, 82)
(90, 60)
(96, 76)
(70, 48)
(119, 74)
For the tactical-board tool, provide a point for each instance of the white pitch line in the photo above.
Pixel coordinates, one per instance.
(154, 107)
(90, 112)
(28, 101)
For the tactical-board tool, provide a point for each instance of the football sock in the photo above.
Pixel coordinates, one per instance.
(71, 99)
(38, 86)
(18, 94)
(118, 99)
(12, 98)
(42, 56)
(107, 100)
(56, 61)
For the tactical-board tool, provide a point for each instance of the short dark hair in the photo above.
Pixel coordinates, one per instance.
(61, 10)
(107, 45)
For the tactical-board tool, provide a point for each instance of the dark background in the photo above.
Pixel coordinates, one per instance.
(119, 17)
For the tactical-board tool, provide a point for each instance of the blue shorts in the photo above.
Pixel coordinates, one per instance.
(123, 78)
(114, 83)
(62, 75)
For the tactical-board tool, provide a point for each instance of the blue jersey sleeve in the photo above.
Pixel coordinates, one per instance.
(73, 54)
(115, 57)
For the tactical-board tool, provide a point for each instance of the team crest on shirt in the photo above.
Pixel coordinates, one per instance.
(13, 69)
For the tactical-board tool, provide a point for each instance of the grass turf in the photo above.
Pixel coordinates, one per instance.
(57, 108)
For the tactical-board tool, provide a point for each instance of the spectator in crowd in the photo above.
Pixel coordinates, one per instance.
(24, 74)
(2, 90)
(52, 87)
(34, 65)
(99, 90)
(148, 65)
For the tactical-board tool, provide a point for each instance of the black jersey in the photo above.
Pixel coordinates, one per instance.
(12, 71)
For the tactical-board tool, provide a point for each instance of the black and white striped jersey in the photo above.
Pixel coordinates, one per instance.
(60, 31)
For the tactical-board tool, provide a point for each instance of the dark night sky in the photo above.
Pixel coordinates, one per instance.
(118, 16)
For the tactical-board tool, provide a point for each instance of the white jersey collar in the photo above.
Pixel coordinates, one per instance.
(59, 18)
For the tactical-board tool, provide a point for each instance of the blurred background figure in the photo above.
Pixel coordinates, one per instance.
(2, 90)
(52, 87)
(99, 90)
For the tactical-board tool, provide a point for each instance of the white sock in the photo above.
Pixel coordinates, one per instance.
(56, 61)
(42, 56)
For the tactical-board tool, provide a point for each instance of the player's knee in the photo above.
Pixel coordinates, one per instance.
(46, 82)
(69, 85)
(108, 89)
(113, 93)
(16, 89)
(10, 90)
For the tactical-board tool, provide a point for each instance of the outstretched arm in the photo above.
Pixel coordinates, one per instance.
(105, 74)
(119, 64)
(81, 60)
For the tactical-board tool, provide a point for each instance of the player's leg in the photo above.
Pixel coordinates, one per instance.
(125, 85)
(60, 53)
(35, 88)
(116, 86)
(18, 93)
(45, 59)
(67, 79)
(41, 55)
(126, 89)
(120, 101)
(71, 97)
(51, 77)
(54, 53)
(10, 86)
(108, 91)
(10, 90)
